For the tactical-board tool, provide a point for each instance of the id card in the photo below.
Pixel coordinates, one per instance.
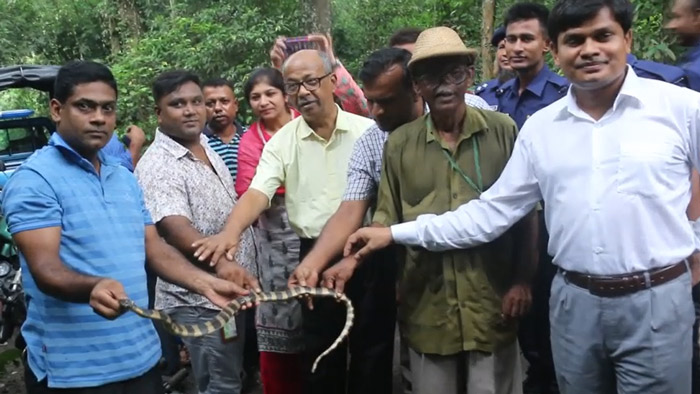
(228, 331)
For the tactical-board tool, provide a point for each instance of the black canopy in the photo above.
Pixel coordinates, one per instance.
(28, 76)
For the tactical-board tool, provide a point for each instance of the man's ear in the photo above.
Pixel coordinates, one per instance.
(156, 109)
(555, 53)
(547, 45)
(629, 38)
(55, 107)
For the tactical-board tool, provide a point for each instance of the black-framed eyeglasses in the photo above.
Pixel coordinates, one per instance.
(455, 77)
(310, 84)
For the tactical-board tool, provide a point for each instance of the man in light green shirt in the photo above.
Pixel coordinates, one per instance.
(309, 157)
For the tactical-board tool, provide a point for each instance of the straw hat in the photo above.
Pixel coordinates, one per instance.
(438, 42)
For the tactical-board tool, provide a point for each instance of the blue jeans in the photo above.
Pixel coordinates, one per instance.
(217, 365)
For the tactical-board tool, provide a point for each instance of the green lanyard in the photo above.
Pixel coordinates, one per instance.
(479, 186)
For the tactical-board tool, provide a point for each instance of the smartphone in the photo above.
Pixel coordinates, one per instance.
(295, 44)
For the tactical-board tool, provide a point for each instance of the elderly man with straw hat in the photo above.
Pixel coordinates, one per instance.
(458, 310)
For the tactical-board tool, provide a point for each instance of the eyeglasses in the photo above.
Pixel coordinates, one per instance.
(455, 77)
(310, 84)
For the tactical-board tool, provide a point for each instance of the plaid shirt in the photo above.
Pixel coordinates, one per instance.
(475, 101)
(365, 165)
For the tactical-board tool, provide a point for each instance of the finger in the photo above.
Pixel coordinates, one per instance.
(301, 276)
(109, 300)
(216, 254)
(328, 282)
(231, 253)
(515, 307)
(105, 312)
(365, 251)
(197, 244)
(505, 307)
(252, 283)
(309, 303)
(340, 285)
(203, 252)
(349, 245)
(229, 289)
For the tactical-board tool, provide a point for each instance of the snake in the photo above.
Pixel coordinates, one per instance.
(232, 308)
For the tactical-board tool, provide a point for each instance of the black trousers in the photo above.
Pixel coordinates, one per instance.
(148, 383)
(372, 291)
(533, 334)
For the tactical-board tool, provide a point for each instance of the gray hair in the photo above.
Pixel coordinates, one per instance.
(325, 59)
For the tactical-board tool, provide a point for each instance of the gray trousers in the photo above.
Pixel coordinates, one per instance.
(481, 373)
(638, 343)
(217, 365)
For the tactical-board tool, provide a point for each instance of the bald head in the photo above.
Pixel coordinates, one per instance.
(310, 82)
(309, 56)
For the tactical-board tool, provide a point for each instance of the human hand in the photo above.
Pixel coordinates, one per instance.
(325, 44)
(136, 135)
(220, 291)
(366, 240)
(216, 246)
(305, 275)
(517, 301)
(105, 296)
(338, 275)
(278, 52)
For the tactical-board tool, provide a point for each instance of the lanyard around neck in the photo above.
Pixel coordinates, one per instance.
(479, 185)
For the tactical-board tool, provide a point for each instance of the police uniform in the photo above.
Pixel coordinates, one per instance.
(659, 71)
(489, 92)
(691, 65)
(546, 88)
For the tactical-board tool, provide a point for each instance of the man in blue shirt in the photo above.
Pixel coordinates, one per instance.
(661, 72)
(535, 85)
(85, 237)
(490, 90)
(684, 21)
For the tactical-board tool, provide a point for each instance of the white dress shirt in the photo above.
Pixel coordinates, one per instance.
(615, 190)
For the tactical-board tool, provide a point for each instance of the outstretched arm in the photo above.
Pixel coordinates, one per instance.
(515, 193)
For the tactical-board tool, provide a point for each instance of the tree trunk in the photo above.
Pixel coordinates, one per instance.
(130, 14)
(173, 9)
(487, 11)
(317, 14)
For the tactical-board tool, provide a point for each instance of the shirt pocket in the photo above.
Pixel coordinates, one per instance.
(643, 168)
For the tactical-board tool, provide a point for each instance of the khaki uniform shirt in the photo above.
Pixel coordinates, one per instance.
(449, 301)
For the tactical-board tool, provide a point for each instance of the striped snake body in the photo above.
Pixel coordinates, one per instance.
(220, 320)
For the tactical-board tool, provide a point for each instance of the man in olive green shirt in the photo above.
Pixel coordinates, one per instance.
(458, 309)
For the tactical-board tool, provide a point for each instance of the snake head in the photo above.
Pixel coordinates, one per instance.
(126, 304)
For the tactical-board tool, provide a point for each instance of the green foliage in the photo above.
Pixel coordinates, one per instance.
(141, 38)
(223, 40)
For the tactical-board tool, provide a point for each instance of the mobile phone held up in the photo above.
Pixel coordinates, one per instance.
(295, 44)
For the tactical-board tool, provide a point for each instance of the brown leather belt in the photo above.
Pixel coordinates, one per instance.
(620, 285)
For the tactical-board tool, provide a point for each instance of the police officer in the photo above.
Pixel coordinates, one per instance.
(684, 21)
(534, 87)
(661, 72)
(488, 90)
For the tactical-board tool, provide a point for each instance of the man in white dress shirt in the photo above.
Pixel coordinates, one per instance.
(612, 161)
